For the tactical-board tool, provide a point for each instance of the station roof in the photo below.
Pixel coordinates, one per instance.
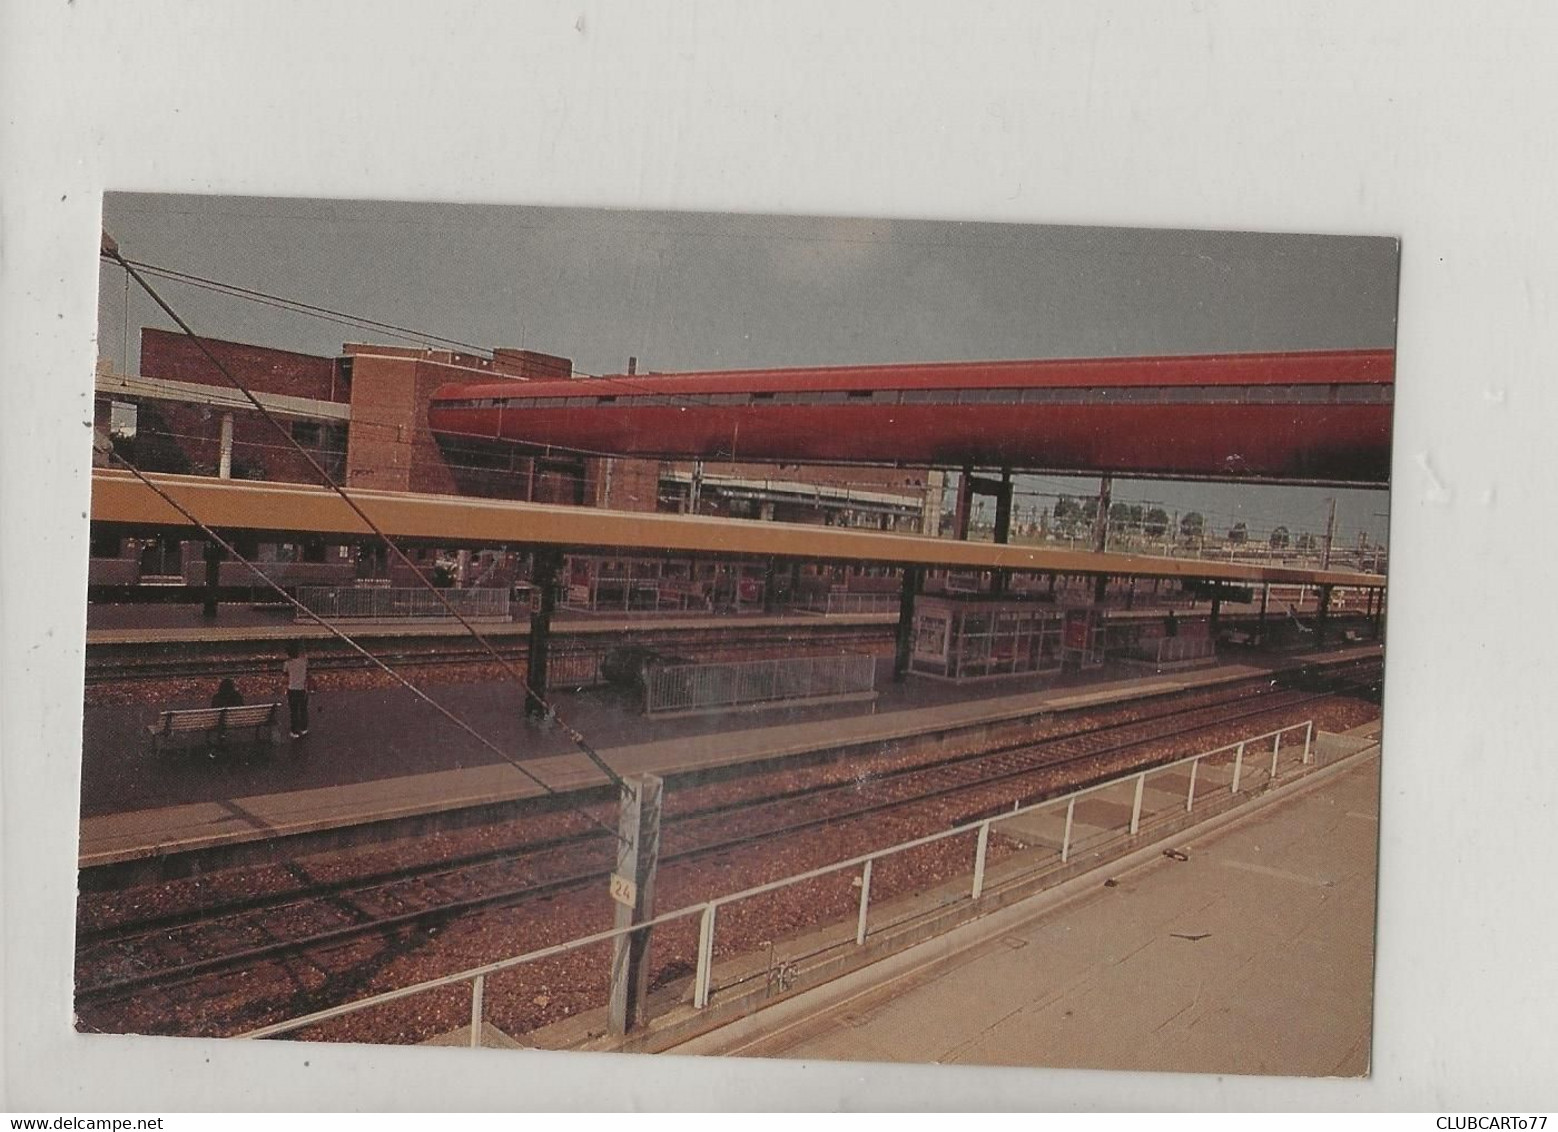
(451, 521)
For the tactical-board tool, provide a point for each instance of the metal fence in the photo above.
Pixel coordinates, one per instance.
(1053, 832)
(832, 604)
(1170, 650)
(574, 669)
(675, 688)
(386, 603)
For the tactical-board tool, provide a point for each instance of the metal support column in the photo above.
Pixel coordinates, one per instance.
(965, 505)
(1101, 520)
(633, 891)
(1001, 579)
(1100, 588)
(695, 488)
(770, 588)
(1212, 618)
(1003, 508)
(1260, 625)
(213, 555)
(1323, 616)
(548, 566)
(913, 577)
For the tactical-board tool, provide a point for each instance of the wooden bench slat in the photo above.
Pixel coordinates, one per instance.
(188, 722)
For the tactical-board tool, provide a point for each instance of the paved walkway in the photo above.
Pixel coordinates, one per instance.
(1254, 956)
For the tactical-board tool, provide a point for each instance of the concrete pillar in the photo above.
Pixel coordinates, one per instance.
(633, 892)
(913, 578)
(548, 565)
(225, 466)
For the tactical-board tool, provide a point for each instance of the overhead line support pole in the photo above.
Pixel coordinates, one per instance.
(633, 892)
(913, 578)
(548, 567)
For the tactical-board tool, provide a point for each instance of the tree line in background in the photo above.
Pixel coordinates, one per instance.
(1074, 517)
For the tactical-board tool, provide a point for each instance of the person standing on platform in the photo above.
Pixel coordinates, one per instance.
(296, 668)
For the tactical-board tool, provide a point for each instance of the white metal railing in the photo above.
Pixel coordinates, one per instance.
(389, 603)
(574, 669)
(1248, 772)
(1172, 649)
(706, 687)
(833, 604)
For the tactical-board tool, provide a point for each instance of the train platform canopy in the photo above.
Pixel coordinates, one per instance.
(453, 521)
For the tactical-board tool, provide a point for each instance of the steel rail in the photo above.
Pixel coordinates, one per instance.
(330, 938)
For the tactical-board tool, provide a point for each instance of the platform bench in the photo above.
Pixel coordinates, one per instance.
(257, 725)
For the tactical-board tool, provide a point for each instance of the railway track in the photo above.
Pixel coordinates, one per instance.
(117, 963)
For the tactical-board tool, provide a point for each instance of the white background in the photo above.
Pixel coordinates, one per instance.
(1431, 122)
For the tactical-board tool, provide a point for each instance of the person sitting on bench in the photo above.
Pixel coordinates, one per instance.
(227, 694)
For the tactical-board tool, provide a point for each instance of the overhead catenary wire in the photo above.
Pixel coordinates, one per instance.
(325, 478)
(229, 549)
(327, 314)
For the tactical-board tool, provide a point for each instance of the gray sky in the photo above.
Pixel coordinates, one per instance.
(702, 291)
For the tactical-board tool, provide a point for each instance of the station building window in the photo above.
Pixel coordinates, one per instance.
(122, 419)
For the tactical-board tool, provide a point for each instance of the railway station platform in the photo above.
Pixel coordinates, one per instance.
(1254, 955)
(377, 756)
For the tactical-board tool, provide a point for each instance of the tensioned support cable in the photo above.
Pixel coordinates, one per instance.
(112, 252)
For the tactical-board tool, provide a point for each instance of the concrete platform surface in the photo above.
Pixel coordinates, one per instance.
(1255, 956)
(345, 772)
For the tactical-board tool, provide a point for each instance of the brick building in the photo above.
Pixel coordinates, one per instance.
(363, 417)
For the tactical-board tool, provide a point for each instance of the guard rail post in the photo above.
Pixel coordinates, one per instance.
(1238, 769)
(1141, 785)
(478, 989)
(1309, 731)
(701, 980)
(1190, 795)
(1065, 839)
(865, 903)
(979, 860)
(1275, 747)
